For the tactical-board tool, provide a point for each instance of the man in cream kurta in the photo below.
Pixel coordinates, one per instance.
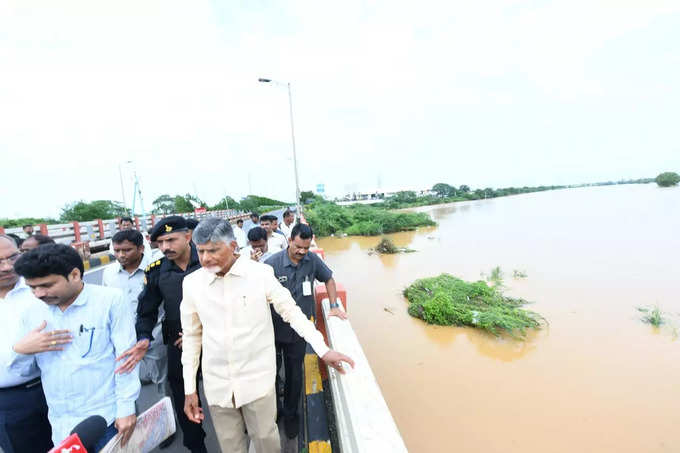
(225, 313)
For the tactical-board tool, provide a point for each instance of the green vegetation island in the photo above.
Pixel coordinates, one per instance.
(449, 301)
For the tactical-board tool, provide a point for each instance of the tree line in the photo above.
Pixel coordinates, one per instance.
(83, 211)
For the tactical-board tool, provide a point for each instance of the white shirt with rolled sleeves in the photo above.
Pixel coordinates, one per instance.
(229, 319)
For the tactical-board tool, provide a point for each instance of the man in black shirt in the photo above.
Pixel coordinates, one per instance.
(163, 284)
(297, 268)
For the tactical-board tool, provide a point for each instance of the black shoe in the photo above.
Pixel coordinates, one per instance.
(167, 442)
(200, 449)
(292, 427)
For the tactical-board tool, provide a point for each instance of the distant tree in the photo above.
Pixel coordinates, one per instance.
(11, 223)
(464, 188)
(226, 203)
(405, 196)
(82, 211)
(255, 202)
(668, 179)
(305, 196)
(183, 203)
(444, 190)
(165, 204)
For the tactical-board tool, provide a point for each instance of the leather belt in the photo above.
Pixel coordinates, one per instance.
(25, 386)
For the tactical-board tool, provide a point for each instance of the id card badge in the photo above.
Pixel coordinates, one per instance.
(306, 288)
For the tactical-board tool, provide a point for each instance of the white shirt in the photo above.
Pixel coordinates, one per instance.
(132, 284)
(153, 367)
(285, 229)
(277, 242)
(230, 320)
(16, 302)
(241, 237)
(79, 381)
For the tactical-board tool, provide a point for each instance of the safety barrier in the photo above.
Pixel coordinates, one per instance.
(97, 234)
(363, 420)
(350, 406)
(103, 260)
(99, 230)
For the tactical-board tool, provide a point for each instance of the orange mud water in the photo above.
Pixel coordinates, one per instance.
(597, 379)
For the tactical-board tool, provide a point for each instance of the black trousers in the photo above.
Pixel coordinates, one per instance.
(293, 356)
(24, 427)
(193, 433)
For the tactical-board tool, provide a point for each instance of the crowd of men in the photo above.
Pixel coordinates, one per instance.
(225, 304)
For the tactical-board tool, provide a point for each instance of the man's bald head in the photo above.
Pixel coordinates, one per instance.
(9, 253)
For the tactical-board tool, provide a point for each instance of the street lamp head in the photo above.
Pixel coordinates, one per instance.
(264, 80)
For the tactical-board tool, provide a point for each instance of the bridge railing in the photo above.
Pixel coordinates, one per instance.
(100, 231)
(363, 419)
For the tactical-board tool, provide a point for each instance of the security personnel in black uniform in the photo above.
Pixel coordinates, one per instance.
(163, 284)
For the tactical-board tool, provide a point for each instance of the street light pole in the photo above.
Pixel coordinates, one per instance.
(122, 187)
(292, 135)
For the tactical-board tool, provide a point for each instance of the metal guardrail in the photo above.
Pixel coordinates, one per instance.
(364, 422)
(99, 232)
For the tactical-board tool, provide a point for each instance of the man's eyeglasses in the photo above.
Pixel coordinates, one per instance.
(10, 259)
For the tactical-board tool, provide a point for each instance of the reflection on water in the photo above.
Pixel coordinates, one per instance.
(596, 379)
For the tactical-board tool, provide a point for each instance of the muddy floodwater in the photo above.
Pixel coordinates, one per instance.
(596, 379)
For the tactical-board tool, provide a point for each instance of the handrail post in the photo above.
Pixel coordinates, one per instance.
(100, 223)
(76, 231)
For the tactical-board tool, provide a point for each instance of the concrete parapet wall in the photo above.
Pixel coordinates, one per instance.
(363, 419)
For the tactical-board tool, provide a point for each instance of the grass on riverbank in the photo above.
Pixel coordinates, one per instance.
(328, 218)
(447, 300)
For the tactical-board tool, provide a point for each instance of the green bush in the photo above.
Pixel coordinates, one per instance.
(447, 300)
(668, 179)
(365, 228)
(328, 218)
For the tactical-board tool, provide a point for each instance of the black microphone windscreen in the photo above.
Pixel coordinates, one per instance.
(90, 431)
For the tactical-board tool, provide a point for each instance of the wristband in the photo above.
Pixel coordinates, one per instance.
(334, 305)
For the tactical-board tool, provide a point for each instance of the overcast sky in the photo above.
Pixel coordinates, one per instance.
(386, 94)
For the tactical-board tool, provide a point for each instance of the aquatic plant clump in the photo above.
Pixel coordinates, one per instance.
(447, 300)
(653, 316)
(387, 247)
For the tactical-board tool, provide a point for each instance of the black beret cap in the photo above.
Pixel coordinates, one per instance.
(170, 224)
(191, 223)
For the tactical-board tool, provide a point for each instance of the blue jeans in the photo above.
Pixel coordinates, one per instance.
(108, 435)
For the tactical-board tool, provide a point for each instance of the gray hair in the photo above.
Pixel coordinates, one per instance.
(213, 229)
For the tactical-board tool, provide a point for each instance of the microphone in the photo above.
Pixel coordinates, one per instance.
(90, 431)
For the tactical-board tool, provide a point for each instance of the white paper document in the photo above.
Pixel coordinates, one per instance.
(154, 426)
